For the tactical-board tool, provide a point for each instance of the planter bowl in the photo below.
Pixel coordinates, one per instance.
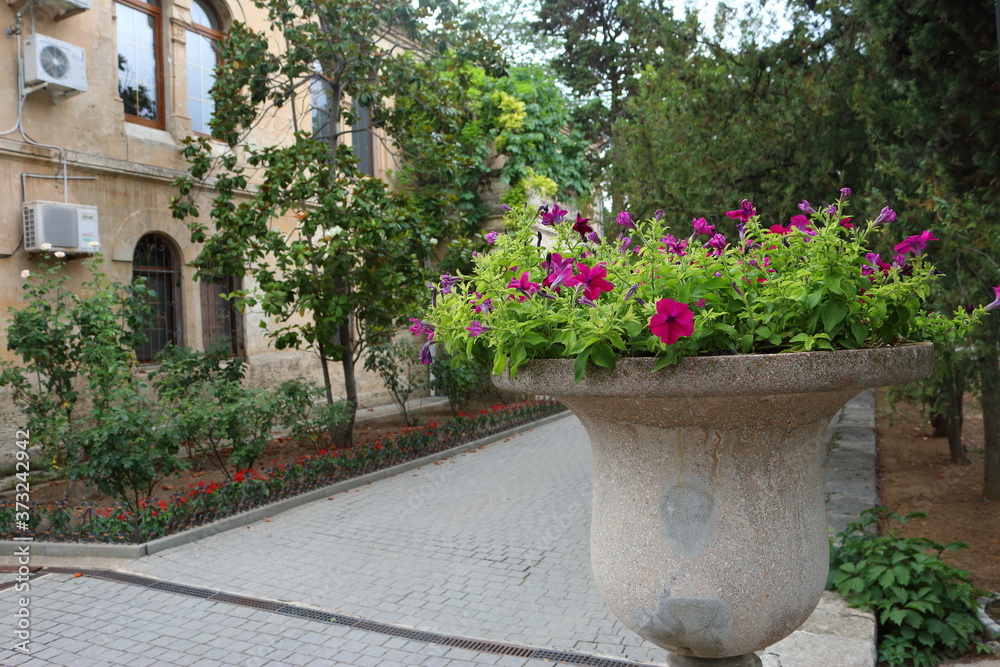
(709, 533)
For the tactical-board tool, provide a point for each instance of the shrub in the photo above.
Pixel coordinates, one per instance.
(395, 363)
(310, 419)
(925, 608)
(462, 381)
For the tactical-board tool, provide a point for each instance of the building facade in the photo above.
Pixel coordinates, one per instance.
(94, 128)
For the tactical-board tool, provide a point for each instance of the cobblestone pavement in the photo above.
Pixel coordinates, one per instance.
(491, 544)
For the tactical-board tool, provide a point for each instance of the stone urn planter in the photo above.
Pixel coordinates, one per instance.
(709, 533)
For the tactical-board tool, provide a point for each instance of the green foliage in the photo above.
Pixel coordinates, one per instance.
(790, 289)
(925, 608)
(395, 363)
(78, 349)
(532, 184)
(461, 380)
(310, 419)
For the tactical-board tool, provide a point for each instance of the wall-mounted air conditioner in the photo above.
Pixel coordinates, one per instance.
(62, 66)
(70, 228)
(67, 5)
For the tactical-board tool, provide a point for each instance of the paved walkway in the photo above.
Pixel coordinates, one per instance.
(490, 545)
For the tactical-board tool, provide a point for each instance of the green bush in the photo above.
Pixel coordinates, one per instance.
(310, 419)
(395, 362)
(925, 608)
(462, 381)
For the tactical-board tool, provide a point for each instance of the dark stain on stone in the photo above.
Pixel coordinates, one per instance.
(687, 623)
(687, 517)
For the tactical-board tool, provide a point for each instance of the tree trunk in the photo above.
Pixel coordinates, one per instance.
(953, 429)
(939, 424)
(990, 376)
(350, 383)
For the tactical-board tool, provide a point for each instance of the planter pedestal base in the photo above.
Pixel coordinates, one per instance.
(709, 535)
(747, 660)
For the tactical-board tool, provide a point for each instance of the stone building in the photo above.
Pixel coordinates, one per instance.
(111, 88)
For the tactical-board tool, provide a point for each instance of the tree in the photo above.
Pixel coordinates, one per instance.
(932, 107)
(337, 257)
(605, 44)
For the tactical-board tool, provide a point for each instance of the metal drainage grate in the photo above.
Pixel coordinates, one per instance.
(123, 578)
(314, 615)
(405, 633)
(489, 647)
(70, 570)
(267, 605)
(183, 590)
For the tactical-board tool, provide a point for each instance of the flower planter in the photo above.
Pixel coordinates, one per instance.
(709, 533)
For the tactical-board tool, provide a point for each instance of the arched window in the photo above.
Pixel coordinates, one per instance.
(202, 36)
(140, 60)
(155, 260)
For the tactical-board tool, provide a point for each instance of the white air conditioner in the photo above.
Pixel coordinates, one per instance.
(62, 66)
(67, 5)
(70, 228)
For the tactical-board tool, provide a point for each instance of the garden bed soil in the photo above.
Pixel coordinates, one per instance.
(916, 475)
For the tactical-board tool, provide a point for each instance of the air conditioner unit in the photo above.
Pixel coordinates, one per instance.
(67, 227)
(62, 66)
(67, 5)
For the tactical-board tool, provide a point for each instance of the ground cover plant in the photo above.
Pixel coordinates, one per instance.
(925, 608)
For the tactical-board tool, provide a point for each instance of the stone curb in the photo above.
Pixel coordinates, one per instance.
(990, 627)
(133, 551)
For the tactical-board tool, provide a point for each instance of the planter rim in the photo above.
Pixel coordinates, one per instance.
(730, 375)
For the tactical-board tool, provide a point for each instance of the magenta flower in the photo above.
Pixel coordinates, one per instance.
(593, 280)
(555, 216)
(799, 221)
(717, 243)
(581, 227)
(885, 215)
(701, 226)
(675, 246)
(560, 271)
(625, 220)
(996, 301)
(845, 192)
(419, 327)
(524, 285)
(672, 321)
(778, 229)
(484, 306)
(915, 244)
(744, 212)
(447, 282)
(491, 237)
(476, 328)
(846, 223)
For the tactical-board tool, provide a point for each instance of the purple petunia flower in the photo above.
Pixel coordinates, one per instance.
(504, 207)
(672, 321)
(524, 285)
(674, 246)
(419, 327)
(560, 271)
(701, 226)
(717, 243)
(594, 238)
(631, 291)
(658, 214)
(996, 301)
(447, 282)
(744, 212)
(885, 215)
(915, 244)
(805, 207)
(845, 192)
(554, 217)
(593, 280)
(491, 237)
(476, 328)
(425, 354)
(581, 227)
(625, 220)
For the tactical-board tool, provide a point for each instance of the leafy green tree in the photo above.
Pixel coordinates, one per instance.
(932, 112)
(605, 45)
(319, 236)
